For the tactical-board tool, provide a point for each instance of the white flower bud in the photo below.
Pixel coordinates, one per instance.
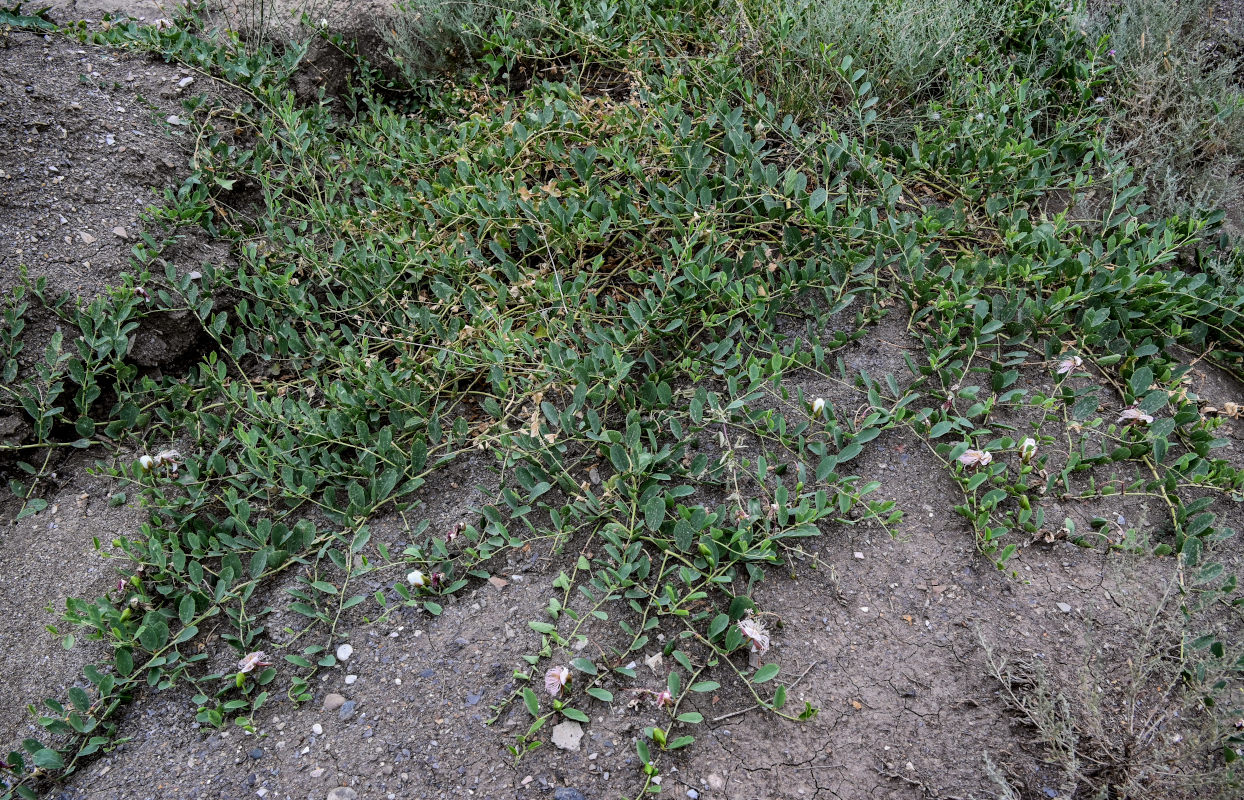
(146, 462)
(416, 578)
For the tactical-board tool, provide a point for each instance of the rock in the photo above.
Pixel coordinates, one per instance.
(567, 793)
(1064, 607)
(859, 555)
(716, 783)
(184, 82)
(121, 232)
(344, 652)
(318, 772)
(350, 679)
(333, 702)
(499, 583)
(343, 793)
(693, 794)
(654, 661)
(256, 753)
(347, 710)
(566, 735)
(317, 729)
(86, 237)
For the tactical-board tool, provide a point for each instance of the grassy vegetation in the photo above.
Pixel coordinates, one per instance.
(597, 241)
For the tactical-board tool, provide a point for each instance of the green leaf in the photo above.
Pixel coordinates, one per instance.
(575, 714)
(185, 610)
(532, 702)
(654, 512)
(705, 686)
(691, 717)
(48, 759)
(604, 695)
(817, 199)
(124, 660)
(584, 665)
(766, 673)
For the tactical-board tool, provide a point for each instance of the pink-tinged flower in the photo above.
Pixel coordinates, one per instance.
(141, 292)
(438, 580)
(1068, 364)
(555, 680)
(1110, 52)
(1027, 449)
(757, 637)
(1134, 414)
(975, 458)
(664, 698)
(256, 659)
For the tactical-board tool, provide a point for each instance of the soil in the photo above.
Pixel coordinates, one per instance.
(891, 637)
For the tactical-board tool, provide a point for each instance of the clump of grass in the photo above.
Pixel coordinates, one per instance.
(1148, 726)
(1176, 105)
(432, 37)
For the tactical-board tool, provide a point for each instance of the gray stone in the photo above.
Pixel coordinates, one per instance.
(347, 710)
(567, 793)
(343, 793)
(333, 702)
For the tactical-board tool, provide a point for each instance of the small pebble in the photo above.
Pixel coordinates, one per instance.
(693, 794)
(256, 753)
(344, 652)
(317, 729)
(350, 679)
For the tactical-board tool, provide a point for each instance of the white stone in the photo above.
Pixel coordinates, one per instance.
(566, 735)
(344, 652)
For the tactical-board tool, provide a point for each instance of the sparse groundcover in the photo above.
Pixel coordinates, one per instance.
(605, 246)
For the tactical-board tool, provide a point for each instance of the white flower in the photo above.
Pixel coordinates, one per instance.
(1068, 364)
(1135, 415)
(167, 458)
(256, 659)
(975, 458)
(1027, 449)
(757, 637)
(146, 462)
(417, 579)
(162, 24)
(555, 680)
(818, 405)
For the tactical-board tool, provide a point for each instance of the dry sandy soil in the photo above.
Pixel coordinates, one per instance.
(892, 635)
